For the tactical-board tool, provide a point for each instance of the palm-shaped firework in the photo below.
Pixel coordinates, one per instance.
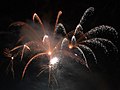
(73, 44)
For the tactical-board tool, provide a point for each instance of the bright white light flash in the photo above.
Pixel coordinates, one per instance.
(53, 61)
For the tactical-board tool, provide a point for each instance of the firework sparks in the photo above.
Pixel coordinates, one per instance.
(53, 61)
(69, 44)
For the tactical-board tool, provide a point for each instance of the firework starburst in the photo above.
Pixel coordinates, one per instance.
(73, 44)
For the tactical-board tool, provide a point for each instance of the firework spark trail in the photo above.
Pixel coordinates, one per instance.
(42, 70)
(65, 43)
(106, 41)
(86, 48)
(73, 44)
(74, 56)
(46, 41)
(58, 16)
(21, 46)
(96, 43)
(10, 65)
(78, 29)
(17, 47)
(102, 29)
(60, 28)
(35, 16)
(87, 13)
(11, 58)
(24, 47)
(38, 55)
(80, 50)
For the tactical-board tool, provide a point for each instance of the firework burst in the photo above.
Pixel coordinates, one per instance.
(73, 44)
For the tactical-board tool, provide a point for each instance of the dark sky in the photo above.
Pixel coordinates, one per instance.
(106, 13)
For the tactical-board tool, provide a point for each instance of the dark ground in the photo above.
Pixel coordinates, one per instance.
(106, 13)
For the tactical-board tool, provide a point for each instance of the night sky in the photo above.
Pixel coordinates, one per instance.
(104, 76)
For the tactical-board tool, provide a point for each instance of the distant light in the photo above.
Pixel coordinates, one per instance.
(12, 58)
(76, 54)
(49, 52)
(70, 46)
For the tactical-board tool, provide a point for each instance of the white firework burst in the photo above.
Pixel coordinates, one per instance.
(73, 44)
